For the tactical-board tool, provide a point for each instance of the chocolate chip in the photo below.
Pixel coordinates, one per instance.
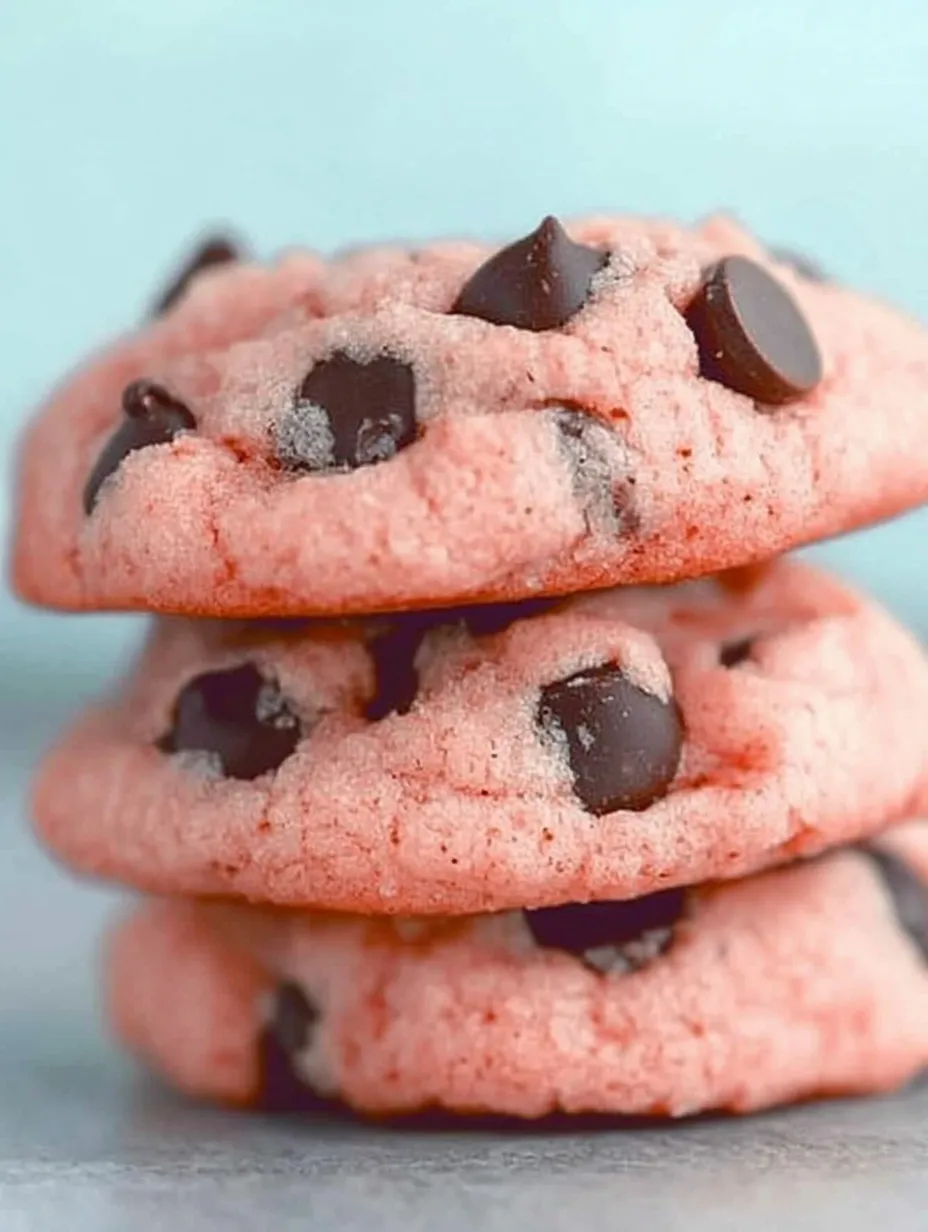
(751, 334)
(348, 413)
(613, 935)
(394, 650)
(238, 717)
(800, 264)
(485, 620)
(908, 892)
(623, 744)
(280, 1088)
(733, 653)
(153, 417)
(293, 1018)
(537, 283)
(594, 451)
(395, 676)
(217, 250)
(289, 1032)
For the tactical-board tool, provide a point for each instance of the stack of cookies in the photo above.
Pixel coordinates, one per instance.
(440, 799)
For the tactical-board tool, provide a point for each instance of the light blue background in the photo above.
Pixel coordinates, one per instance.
(125, 126)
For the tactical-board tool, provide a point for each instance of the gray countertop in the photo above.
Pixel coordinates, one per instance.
(87, 1144)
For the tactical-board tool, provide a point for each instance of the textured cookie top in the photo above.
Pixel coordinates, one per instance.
(802, 981)
(621, 401)
(603, 747)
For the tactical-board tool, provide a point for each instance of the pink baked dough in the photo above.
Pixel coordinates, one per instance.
(460, 805)
(486, 504)
(791, 984)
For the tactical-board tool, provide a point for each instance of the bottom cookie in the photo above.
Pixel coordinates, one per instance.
(808, 980)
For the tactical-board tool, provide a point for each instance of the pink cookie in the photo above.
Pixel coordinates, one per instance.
(636, 402)
(806, 981)
(607, 746)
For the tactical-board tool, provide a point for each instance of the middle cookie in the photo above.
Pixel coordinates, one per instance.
(599, 747)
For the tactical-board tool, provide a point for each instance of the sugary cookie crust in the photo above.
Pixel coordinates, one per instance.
(486, 794)
(795, 983)
(541, 461)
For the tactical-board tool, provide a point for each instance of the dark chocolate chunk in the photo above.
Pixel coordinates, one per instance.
(484, 620)
(394, 650)
(751, 334)
(396, 681)
(804, 266)
(152, 417)
(623, 744)
(288, 1033)
(217, 250)
(908, 892)
(593, 450)
(280, 1089)
(537, 283)
(733, 653)
(348, 413)
(637, 930)
(293, 1018)
(237, 716)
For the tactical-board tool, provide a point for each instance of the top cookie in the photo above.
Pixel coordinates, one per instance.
(623, 401)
